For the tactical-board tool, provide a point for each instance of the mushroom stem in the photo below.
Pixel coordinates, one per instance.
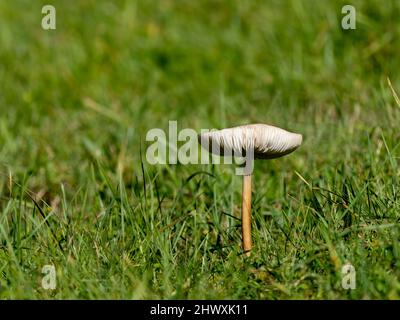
(246, 214)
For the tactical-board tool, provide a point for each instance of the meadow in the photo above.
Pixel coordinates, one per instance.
(77, 193)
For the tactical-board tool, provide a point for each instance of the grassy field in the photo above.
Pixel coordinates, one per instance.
(76, 191)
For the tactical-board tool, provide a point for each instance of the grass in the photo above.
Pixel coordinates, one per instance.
(76, 104)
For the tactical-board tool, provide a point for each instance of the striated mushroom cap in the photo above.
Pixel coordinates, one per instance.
(267, 141)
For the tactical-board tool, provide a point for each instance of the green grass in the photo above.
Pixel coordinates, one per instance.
(76, 104)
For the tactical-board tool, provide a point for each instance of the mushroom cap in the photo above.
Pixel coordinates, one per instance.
(267, 141)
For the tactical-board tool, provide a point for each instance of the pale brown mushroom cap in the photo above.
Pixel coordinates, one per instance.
(267, 141)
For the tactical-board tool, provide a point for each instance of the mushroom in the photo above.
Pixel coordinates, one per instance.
(252, 141)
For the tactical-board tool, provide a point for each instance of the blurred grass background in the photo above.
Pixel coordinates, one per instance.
(76, 103)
